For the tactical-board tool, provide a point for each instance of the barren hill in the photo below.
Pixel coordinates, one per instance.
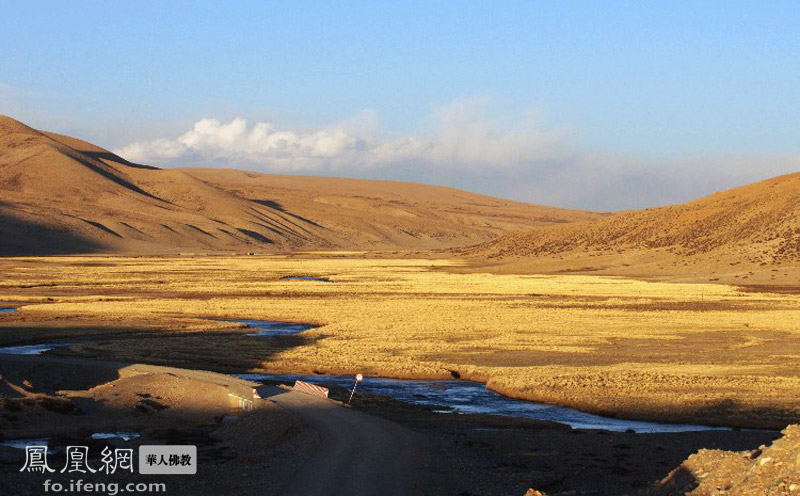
(364, 213)
(751, 227)
(62, 195)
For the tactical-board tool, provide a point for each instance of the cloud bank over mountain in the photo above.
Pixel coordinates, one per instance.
(471, 144)
(467, 135)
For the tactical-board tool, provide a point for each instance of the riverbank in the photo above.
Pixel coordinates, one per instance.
(474, 399)
(486, 456)
(462, 454)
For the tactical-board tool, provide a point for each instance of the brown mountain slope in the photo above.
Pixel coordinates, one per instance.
(362, 213)
(751, 227)
(62, 195)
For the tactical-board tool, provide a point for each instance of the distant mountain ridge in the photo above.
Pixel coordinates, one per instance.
(59, 194)
(756, 226)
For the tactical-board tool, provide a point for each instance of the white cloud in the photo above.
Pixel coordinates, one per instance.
(468, 135)
(473, 145)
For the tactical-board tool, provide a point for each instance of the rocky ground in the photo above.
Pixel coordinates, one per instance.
(768, 470)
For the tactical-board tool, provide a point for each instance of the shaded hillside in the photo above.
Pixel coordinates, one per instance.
(62, 195)
(755, 226)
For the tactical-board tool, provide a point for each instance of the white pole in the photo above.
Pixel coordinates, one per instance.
(352, 392)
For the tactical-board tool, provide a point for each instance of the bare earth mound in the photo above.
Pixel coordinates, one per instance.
(63, 195)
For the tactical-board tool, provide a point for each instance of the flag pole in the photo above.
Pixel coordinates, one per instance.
(359, 378)
(352, 392)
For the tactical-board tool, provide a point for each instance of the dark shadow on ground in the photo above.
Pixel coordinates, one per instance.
(116, 159)
(271, 204)
(47, 374)
(280, 208)
(679, 482)
(230, 351)
(200, 230)
(102, 227)
(23, 237)
(254, 235)
(269, 390)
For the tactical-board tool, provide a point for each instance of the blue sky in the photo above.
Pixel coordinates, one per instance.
(588, 104)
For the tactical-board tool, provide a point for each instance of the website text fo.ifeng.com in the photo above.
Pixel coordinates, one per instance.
(109, 488)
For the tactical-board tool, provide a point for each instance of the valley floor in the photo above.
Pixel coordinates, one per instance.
(702, 353)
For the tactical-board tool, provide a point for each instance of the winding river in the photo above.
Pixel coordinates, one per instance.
(449, 396)
(475, 398)
(457, 396)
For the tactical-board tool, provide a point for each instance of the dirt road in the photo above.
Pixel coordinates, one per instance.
(357, 455)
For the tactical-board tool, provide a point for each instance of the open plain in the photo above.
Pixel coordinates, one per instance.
(701, 353)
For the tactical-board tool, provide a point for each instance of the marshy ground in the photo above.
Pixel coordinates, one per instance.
(705, 353)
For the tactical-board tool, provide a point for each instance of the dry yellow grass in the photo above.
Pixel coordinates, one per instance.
(700, 352)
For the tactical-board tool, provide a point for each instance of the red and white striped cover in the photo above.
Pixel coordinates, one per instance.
(311, 389)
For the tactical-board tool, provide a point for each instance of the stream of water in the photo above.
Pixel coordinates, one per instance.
(453, 396)
(32, 349)
(475, 398)
(270, 328)
(456, 396)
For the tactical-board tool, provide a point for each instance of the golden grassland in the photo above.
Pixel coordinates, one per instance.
(682, 352)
